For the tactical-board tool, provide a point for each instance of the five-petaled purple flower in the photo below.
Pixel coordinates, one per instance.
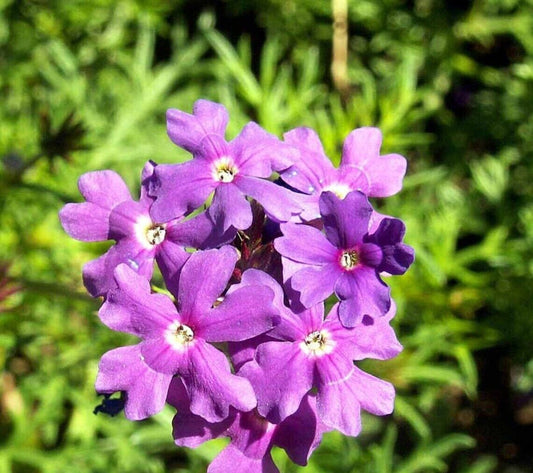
(313, 352)
(361, 168)
(111, 213)
(247, 354)
(177, 341)
(232, 170)
(346, 260)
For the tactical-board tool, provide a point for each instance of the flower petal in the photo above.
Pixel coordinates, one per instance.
(163, 357)
(300, 434)
(257, 152)
(281, 377)
(203, 278)
(187, 131)
(230, 208)
(98, 275)
(170, 260)
(198, 232)
(345, 220)
(372, 338)
(277, 201)
(124, 218)
(132, 308)
(337, 403)
(232, 459)
(147, 178)
(243, 352)
(316, 283)
(397, 257)
(386, 175)
(103, 188)
(362, 292)
(361, 146)
(188, 429)
(305, 244)
(374, 395)
(212, 116)
(122, 369)
(289, 324)
(211, 386)
(180, 189)
(244, 313)
(212, 147)
(313, 167)
(85, 221)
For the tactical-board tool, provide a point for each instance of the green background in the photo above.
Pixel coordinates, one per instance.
(85, 86)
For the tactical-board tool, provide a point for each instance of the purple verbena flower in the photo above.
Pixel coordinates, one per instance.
(111, 213)
(361, 168)
(315, 353)
(346, 260)
(252, 436)
(177, 341)
(232, 170)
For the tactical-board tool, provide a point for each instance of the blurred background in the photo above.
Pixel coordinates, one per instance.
(85, 86)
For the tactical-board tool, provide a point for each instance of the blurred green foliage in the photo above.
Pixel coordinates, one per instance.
(85, 86)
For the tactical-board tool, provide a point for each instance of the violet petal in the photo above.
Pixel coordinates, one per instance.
(256, 152)
(285, 376)
(361, 146)
(203, 278)
(98, 274)
(103, 188)
(131, 307)
(361, 292)
(124, 219)
(345, 220)
(337, 403)
(374, 395)
(170, 258)
(211, 386)
(122, 369)
(230, 208)
(277, 201)
(300, 434)
(187, 131)
(244, 313)
(316, 283)
(232, 459)
(180, 189)
(85, 221)
(305, 244)
(188, 429)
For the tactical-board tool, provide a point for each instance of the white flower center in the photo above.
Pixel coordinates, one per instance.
(224, 170)
(349, 259)
(184, 334)
(317, 343)
(148, 233)
(155, 234)
(340, 189)
(179, 335)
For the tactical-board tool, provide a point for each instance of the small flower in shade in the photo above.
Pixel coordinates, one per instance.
(361, 168)
(252, 436)
(111, 213)
(315, 353)
(232, 170)
(178, 341)
(346, 260)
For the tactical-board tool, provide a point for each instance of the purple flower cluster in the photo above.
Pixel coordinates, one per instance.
(238, 342)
